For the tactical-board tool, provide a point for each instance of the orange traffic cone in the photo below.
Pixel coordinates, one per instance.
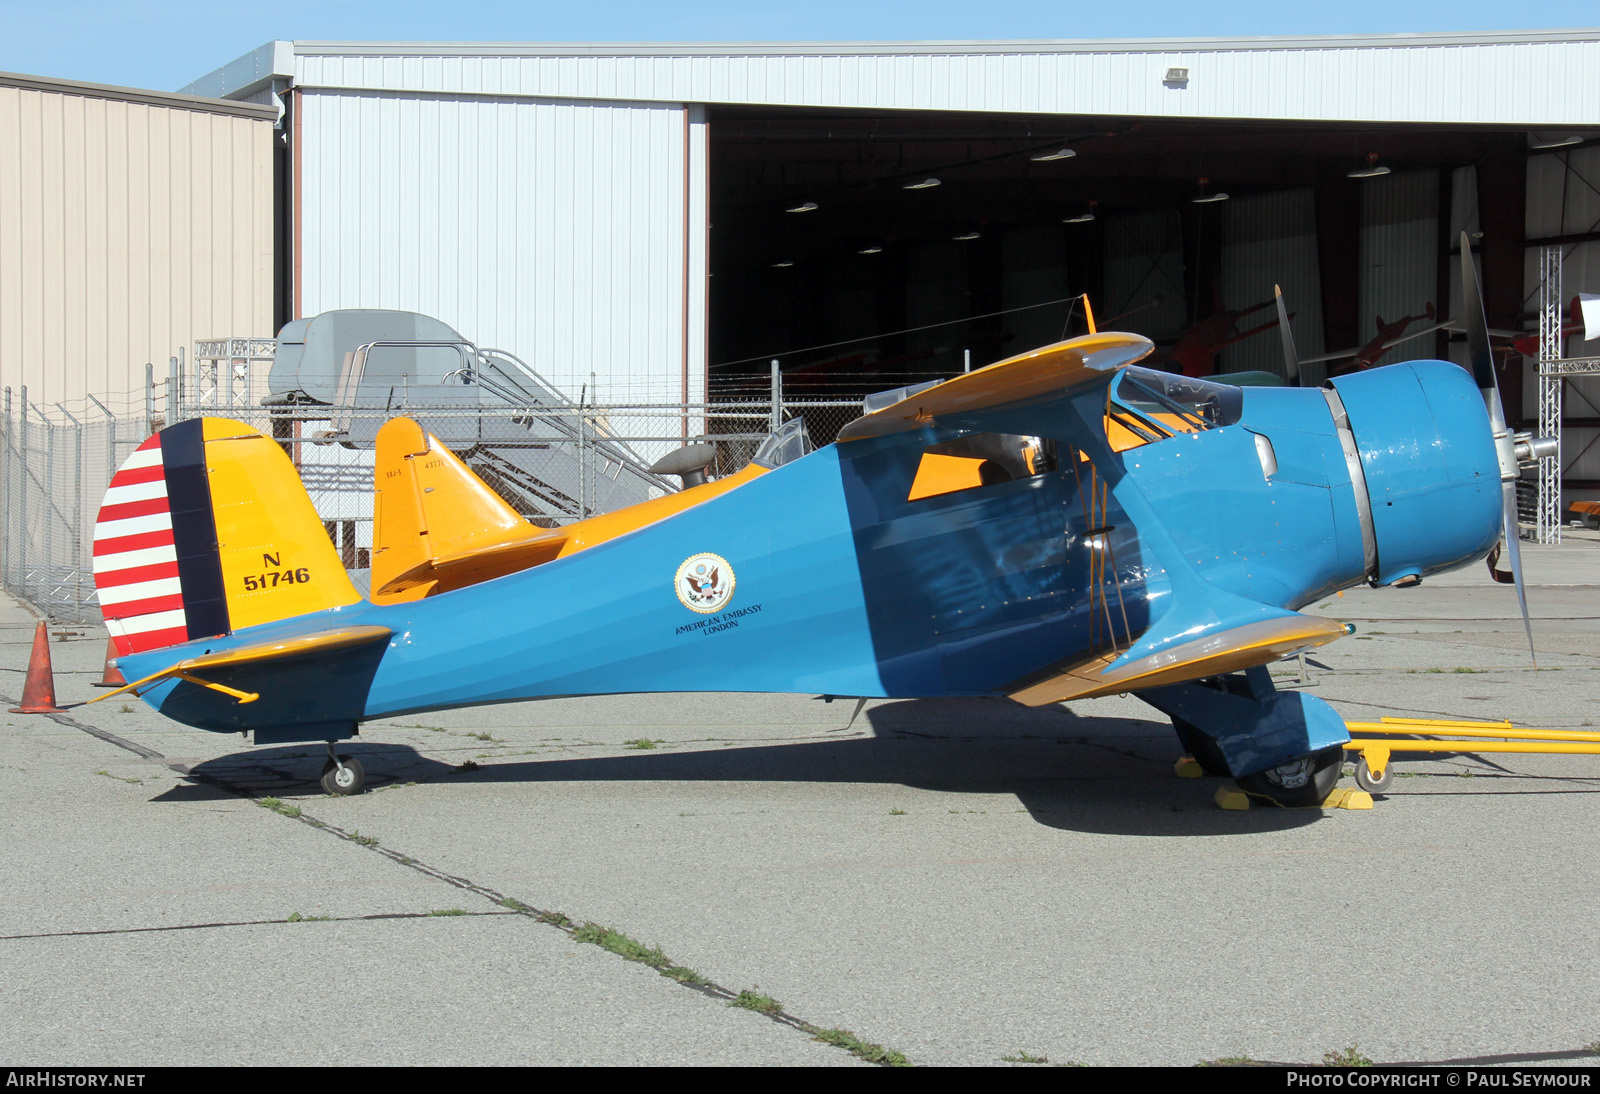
(39, 690)
(112, 677)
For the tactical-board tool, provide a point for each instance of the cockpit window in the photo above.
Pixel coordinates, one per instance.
(787, 443)
(1145, 406)
(978, 460)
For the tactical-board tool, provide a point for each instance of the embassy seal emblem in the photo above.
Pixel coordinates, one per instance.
(704, 583)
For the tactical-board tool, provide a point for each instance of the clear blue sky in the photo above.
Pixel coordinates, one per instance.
(165, 45)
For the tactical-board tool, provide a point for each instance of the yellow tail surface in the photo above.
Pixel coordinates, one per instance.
(437, 526)
(430, 508)
(205, 530)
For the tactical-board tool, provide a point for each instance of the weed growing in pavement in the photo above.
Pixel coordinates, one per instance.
(121, 778)
(897, 812)
(513, 903)
(643, 743)
(754, 1000)
(865, 1050)
(123, 709)
(620, 944)
(466, 765)
(365, 841)
(1022, 1057)
(1346, 1057)
(296, 917)
(280, 807)
(449, 911)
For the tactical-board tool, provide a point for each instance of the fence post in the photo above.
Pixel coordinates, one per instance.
(74, 567)
(966, 360)
(775, 415)
(149, 398)
(111, 437)
(22, 497)
(583, 479)
(48, 563)
(173, 380)
(8, 494)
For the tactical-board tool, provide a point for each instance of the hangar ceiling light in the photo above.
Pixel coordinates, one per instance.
(964, 236)
(1371, 171)
(870, 250)
(1082, 218)
(1204, 198)
(1554, 142)
(807, 207)
(925, 184)
(1051, 157)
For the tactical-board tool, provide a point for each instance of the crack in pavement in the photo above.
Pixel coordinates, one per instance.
(506, 905)
(245, 923)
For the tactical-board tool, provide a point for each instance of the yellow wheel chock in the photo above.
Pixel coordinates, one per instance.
(1373, 770)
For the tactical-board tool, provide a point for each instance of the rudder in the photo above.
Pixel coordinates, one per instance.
(204, 530)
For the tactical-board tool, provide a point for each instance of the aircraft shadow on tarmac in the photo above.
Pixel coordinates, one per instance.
(1102, 775)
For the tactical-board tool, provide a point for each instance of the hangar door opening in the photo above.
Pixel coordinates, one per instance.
(865, 250)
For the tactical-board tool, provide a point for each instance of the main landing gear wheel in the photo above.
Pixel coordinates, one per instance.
(1373, 784)
(1304, 782)
(344, 776)
(1202, 748)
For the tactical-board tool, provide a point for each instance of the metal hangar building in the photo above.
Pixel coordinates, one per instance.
(662, 221)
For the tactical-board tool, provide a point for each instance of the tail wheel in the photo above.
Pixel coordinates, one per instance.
(1299, 783)
(344, 777)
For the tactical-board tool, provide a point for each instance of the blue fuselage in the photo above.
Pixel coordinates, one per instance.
(843, 585)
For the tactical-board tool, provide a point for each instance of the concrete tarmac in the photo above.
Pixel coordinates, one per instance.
(962, 882)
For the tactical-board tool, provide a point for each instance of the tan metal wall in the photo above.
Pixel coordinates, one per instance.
(127, 229)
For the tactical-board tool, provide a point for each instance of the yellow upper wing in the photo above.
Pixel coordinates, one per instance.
(1039, 372)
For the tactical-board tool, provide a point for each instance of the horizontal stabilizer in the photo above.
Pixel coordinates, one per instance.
(1227, 648)
(1053, 368)
(471, 566)
(278, 649)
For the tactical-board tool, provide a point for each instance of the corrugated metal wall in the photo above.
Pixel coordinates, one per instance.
(1144, 275)
(1442, 78)
(1272, 239)
(554, 230)
(1036, 271)
(127, 230)
(1399, 255)
(1564, 200)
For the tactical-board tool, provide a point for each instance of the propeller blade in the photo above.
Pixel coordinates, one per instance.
(1482, 358)
(1508, 494)
(1479, 353)
(1291, 362)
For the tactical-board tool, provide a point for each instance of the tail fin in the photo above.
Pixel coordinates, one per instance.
(204, 530)
(437, 525)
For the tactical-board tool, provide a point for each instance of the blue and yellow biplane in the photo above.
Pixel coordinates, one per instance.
(1058, 526)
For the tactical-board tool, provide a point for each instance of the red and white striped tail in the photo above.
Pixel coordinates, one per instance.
(136, 559)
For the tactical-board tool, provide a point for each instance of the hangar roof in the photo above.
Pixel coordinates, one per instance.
(1521, 78)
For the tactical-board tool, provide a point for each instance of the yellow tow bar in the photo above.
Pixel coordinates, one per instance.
(1373, 773)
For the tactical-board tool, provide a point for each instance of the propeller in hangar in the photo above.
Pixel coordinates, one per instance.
(1514, 451)
(1291, 360)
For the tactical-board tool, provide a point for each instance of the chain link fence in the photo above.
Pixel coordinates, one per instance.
(554, 465)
